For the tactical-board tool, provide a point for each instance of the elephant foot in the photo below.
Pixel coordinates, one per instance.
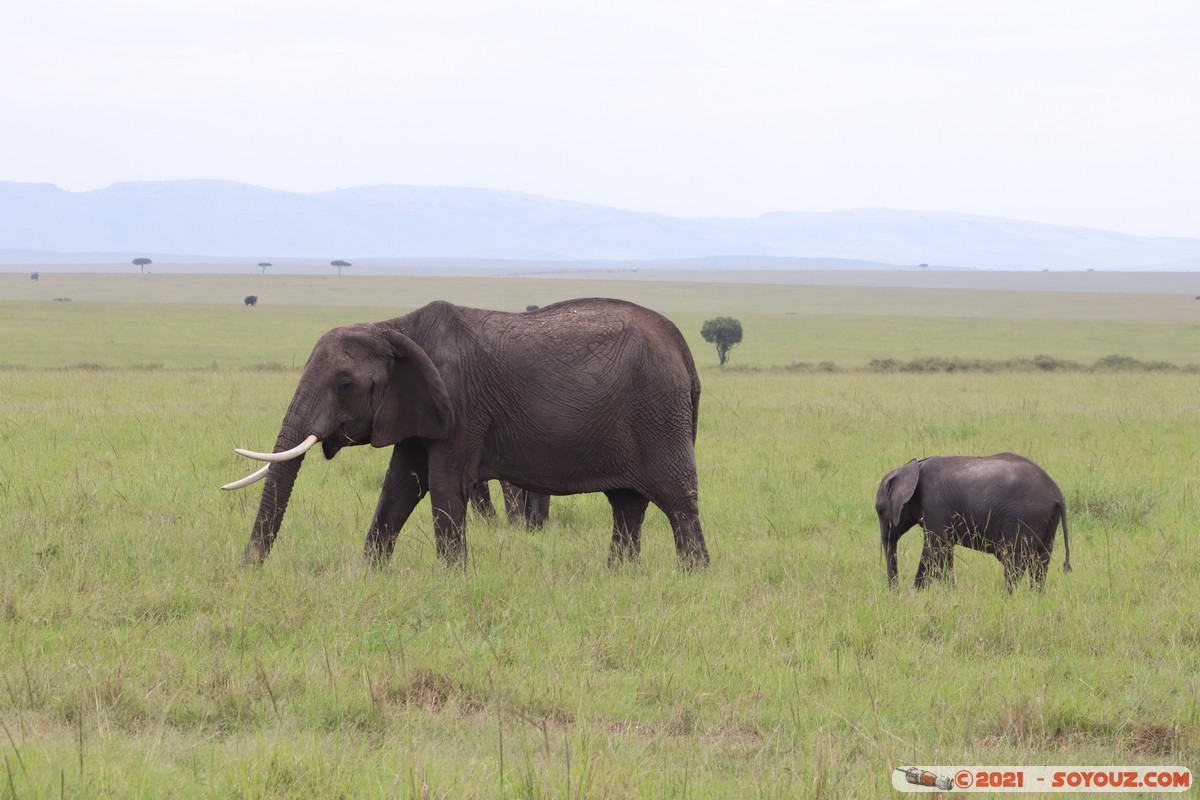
(254, 554)
(377, 557)
(695, 558)
(453, 554)
(377, 549)
(622, 555)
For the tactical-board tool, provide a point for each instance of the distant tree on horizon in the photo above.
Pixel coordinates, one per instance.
(339, 264)
(724, 332)
(263, 266)
(142, 263)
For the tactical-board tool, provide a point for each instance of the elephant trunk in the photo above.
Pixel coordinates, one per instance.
(277, 491)
(1062, 510)
(889, 554)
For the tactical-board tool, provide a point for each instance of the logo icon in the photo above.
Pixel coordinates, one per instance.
(923, 777)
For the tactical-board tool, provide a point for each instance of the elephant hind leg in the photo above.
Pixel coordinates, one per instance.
(1014, 570)
(1025, 554)
(684, 514)
(480, 495)
(1038, 566)
(1034, 557)
(937, 562)
(450, 526)
(628, 510)
(537, 509)
(514, 503)
(524, 507)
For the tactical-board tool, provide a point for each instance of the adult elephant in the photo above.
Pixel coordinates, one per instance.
(590, 395)
(1003, 504)
(521, 507)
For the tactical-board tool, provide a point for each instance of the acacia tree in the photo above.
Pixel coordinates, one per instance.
(724, 332)
(142, 263)
(339, 264)
(263, 266)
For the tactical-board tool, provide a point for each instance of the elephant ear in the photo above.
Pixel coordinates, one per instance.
(416, 402)
(901, 487)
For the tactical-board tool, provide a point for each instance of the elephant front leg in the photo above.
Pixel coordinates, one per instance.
(404, 485)
(628, 510)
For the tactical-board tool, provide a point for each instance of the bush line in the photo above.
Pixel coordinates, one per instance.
(937, 364)
(930, 364)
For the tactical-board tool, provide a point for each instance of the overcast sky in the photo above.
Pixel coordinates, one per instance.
(1079, 112)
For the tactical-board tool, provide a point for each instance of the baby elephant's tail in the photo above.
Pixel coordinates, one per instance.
(1062, 515)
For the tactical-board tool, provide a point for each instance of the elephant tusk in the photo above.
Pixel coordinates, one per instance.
(286, 455)
(249, 479)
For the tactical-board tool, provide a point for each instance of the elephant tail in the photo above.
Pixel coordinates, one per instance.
(1062, 514)
(695, 405)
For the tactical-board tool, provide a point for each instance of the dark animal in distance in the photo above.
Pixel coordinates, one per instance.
(251, 300)
(464, 394)
(1002, 504)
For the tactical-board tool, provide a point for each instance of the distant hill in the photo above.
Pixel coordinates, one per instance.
(223, 219)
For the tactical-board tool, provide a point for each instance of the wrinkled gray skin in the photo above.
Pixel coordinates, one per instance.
(521, 507)
(590, 395)
(1002, 504)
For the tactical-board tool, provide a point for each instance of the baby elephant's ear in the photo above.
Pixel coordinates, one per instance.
(416, 402)
(901, 486)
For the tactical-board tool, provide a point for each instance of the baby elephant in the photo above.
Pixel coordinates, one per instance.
(1004, 504)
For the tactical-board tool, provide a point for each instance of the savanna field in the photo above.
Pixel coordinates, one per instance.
(138, 659)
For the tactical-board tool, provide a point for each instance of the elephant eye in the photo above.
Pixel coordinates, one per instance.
(344, 385)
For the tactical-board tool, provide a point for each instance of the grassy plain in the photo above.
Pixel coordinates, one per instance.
(138, 660)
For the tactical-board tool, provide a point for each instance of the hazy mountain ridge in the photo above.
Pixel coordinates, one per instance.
(225, 219)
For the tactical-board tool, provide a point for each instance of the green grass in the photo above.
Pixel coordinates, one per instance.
(138, 660)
